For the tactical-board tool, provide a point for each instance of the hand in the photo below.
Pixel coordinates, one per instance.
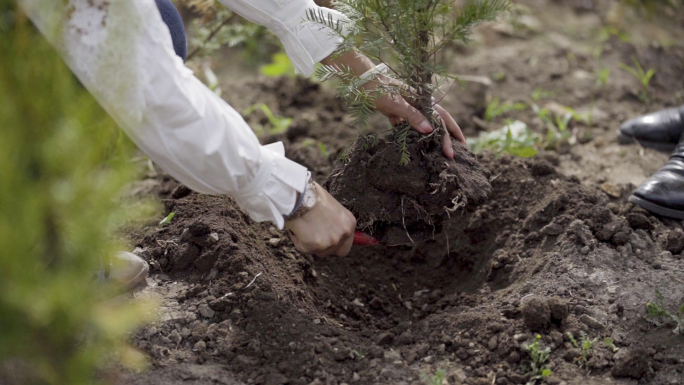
(326, 229)
(395, 107)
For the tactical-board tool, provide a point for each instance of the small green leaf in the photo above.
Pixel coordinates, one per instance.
(167, 220)
(279, 66)
(323, 149)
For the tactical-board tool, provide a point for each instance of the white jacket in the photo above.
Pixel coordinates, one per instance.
(123, 54)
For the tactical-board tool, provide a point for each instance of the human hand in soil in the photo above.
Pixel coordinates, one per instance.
(397, 107)
(326, 229)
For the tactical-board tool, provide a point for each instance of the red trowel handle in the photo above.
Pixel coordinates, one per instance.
(362, 239)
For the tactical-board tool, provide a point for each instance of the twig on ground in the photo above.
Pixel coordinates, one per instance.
(243, 288)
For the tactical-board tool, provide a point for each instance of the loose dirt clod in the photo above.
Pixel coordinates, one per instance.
(536, 314)
(559, 309)
(392, 201)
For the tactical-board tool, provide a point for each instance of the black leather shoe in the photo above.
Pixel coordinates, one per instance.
(663, 193)
(659, 130)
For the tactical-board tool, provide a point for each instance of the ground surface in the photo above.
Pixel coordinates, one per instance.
(555, 250)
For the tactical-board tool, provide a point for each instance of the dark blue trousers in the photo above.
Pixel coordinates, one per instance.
(173, 20)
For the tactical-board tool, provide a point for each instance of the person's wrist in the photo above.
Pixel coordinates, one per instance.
(306, 200)
(354, 60)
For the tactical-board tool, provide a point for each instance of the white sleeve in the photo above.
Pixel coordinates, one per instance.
(122, 52)
(306, 43)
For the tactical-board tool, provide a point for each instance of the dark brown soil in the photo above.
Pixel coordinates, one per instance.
(551, 251)
(400, 203)
(465, 302)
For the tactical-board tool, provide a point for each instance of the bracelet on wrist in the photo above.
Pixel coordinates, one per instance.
(371, 74)
(299, 208)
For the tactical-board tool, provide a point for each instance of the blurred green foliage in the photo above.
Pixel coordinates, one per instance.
(216, 27)
(62, 167)
(280, 66)
(495, 108)
(514, 138)
(276, 124)
(653, 5)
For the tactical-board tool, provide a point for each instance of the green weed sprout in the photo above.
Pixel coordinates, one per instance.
(540, 93)
(436, 379)
(310, 142)
(585, 345)
(515, 139)
(602, 76)
(557, 127)
(644, 78)
(539, 357)
(608, 342)
(657, 313)
(278, 125)
(496, 109)
(167, 219)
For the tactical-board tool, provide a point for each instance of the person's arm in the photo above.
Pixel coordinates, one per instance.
(307, 43)
(122, 53)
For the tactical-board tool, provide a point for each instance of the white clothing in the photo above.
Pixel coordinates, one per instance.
(122, 52)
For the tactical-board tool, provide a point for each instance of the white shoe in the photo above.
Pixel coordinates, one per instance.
(125, 270)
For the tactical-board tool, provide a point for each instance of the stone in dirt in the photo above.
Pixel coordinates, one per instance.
(675, 241)
(630, 363)
(411, 199)
(558, 308)
(536, 314)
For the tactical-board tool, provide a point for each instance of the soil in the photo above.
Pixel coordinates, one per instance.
(400, 203)
(555, 249)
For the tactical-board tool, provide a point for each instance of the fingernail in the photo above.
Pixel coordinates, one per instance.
(425, 127)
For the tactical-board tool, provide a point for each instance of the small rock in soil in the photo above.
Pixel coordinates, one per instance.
(205, 311)
(459, 376)
(541, 168)
(591, 322)
(200, 346)
(675, 241)
(612, 190)
(513, 358)
(559, 309)
(391, 355)
(384, 339)
(536, 314)
(180, 192)
(638, 221)
(630, 363)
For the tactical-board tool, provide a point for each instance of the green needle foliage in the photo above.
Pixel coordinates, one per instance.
(61, 173)
(408, 36)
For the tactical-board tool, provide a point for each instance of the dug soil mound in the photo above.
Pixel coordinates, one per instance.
(542, 255)
(399, 203)
(564, 257)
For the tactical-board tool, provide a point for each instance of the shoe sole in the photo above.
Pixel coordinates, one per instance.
(659, 146)
(656, 208)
